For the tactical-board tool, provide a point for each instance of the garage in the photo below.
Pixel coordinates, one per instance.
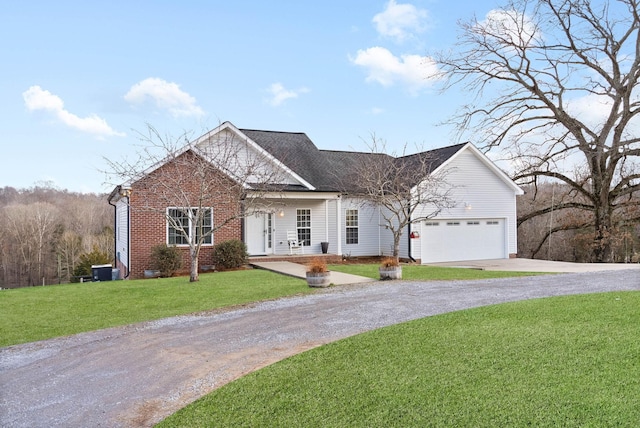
(463, 239)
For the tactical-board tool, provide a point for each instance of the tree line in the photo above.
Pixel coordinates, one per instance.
(46, 234)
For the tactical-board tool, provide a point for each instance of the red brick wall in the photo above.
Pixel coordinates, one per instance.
(151, 196)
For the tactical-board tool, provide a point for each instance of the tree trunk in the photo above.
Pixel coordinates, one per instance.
(193, 277)
(396, 246)
(602, 244)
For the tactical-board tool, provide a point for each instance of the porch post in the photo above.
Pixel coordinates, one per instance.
(339, 224)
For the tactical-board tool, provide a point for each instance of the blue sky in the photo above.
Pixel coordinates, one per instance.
(79, 78)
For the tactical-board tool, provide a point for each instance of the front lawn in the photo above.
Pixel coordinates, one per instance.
(36, 313)
(569, 361)
(428, 273)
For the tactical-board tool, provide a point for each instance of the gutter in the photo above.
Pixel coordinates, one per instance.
(409, 240)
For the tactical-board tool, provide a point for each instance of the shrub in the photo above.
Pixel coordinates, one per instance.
(230, 254)
(83, 268)
(166, 259)
(317, 265)
(390, 262)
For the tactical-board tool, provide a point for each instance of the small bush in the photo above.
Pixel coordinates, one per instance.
(230, 254)
(83, 268)
(167, 260)
(390, 262)
(317, 265)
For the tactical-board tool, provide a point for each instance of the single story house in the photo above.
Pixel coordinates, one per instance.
(311, 204)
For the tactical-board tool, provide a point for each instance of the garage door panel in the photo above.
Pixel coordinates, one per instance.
(462, 239)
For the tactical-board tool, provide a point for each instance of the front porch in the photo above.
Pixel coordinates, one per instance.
(296, 258)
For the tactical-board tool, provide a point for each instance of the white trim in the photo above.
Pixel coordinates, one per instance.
(191, 227)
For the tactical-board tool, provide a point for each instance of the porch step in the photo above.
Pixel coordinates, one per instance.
(300, 271)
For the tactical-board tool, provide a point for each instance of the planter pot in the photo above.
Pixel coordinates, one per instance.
(393, 272)
(325, 247)
(318, 279)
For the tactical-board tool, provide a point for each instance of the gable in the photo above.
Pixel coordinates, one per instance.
(472, 167)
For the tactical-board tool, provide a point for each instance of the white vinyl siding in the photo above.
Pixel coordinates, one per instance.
(122, 232)
(481, 196)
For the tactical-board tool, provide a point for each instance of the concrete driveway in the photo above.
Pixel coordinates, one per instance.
(136, 375)
(532, 265)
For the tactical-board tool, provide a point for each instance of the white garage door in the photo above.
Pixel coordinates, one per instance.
(465, 239)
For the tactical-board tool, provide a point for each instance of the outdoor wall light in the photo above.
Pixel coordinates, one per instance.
(281, 213)
(467, 206)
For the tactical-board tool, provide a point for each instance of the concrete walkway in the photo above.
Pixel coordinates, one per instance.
(299, 271)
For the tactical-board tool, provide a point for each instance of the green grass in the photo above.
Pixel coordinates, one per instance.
(568, 361)
(36, 313)
(432, 273)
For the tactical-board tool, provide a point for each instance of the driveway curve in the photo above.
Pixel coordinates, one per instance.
(136, 375)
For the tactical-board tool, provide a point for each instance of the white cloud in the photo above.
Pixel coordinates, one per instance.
(400, 21)
(36, 98)
(167, 96)
(279, 94)
(414, 71)
(516, 28)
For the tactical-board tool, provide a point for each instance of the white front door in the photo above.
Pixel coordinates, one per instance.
(259, 234)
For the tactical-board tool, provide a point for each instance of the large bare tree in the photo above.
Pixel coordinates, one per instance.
(210, 181)
(401, 186)
(556, 89)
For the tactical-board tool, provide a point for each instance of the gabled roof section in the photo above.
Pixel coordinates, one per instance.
(484, 159)
(298, 153)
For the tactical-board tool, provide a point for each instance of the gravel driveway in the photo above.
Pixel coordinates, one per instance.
(134, 376)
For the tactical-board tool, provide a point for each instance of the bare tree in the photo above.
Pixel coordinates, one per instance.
(556, 87)
(198, 186)
(404, 187)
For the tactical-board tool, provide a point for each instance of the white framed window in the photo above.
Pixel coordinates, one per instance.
(431, 223)
(303, 225)
(183, 224)
(351, 226)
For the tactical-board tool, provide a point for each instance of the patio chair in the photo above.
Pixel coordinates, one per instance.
(294, 243)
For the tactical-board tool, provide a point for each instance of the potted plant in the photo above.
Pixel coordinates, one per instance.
(317, 273)
(390, 269)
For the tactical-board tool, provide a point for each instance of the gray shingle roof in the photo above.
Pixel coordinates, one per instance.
(327, 170)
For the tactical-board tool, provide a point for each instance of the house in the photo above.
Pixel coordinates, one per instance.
(309, 201)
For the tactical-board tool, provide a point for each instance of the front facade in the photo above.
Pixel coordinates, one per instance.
(310, 204)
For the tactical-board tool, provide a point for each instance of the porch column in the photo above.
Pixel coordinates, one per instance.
(339, 224)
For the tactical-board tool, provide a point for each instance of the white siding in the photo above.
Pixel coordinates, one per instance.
(122, 232)
(288, 222)
(368, 230)
(479, 194)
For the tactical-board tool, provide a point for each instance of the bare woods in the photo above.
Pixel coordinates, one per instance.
(44, 232)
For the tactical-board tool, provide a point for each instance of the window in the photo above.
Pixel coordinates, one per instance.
(431, 223)
(493, 223)
(185, 223)
(453, 223)
(303, 226)
(351, 223)
(473, 223)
